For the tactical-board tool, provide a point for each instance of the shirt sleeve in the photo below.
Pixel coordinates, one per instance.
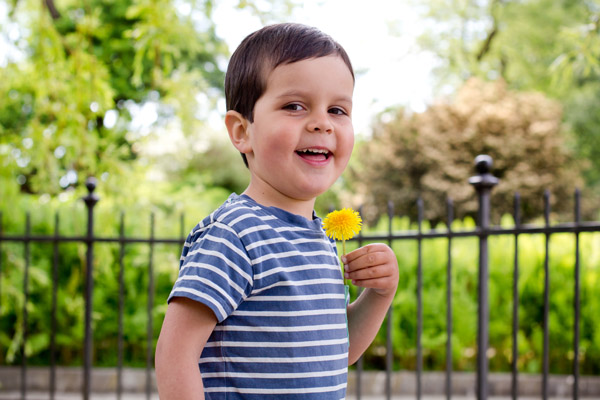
(215, 270)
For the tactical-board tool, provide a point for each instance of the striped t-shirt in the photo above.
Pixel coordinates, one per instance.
(273, 280)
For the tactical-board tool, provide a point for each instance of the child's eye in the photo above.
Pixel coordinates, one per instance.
(337, 111)
(293, 107)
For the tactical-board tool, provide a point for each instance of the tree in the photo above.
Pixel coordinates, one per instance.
(67, 99)
(430, 154)
(543, 45)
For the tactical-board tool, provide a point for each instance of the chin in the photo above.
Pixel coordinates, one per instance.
(309, 190)
(310, 194)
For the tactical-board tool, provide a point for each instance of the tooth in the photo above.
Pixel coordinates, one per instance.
(317, 151)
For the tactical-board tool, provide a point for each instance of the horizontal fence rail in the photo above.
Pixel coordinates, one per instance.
(483, 183)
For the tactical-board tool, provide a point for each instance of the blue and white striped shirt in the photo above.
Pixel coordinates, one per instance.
(273, 280)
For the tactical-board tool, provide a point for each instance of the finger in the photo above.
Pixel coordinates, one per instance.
(373, 272)
(361, 251)
(377, 283)
(367, 260)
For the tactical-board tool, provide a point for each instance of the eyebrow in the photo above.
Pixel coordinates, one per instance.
(296, 93)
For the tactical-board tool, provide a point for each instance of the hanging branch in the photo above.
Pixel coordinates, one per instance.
(487, 43)
(52, 9)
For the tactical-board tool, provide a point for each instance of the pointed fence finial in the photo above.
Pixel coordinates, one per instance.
(484, 178)
(92, 198)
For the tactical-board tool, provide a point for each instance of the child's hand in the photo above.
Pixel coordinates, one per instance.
(373, 266)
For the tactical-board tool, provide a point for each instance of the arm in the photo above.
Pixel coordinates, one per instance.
(185, 330)
(375, 268)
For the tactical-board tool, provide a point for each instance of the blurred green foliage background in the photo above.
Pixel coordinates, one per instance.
(123, 90)
(72, 259)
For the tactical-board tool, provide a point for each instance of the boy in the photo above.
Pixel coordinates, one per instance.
(258, 310)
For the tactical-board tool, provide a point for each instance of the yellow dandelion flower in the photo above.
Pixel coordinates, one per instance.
(342, 224)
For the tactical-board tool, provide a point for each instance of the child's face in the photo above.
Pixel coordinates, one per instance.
(302, 135)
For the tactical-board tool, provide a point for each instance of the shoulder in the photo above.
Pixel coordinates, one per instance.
(228, 218)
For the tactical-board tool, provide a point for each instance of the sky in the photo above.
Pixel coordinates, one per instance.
(380, 38)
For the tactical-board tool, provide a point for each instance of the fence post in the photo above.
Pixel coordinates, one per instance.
(483, 182)
(90, 201)
(389, 354)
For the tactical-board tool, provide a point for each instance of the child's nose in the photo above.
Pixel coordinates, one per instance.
(320, 124)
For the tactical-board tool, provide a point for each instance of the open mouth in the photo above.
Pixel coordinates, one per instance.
(314, 154)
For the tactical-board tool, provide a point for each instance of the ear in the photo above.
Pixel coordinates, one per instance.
(237, 126)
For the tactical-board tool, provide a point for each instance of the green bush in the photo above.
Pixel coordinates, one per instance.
(165, 257)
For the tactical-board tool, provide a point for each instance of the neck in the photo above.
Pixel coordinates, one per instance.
(276, 199)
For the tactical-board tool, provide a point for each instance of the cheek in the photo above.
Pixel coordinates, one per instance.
(276, 147)
(347, 147)
(266, 140)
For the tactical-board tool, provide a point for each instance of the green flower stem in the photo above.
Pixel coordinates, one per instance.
(344, 253)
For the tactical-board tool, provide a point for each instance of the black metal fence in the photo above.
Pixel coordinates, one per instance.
(483, 183)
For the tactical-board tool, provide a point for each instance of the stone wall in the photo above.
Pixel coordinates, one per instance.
(104, 380)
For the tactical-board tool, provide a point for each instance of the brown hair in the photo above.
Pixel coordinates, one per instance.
(264, 50)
